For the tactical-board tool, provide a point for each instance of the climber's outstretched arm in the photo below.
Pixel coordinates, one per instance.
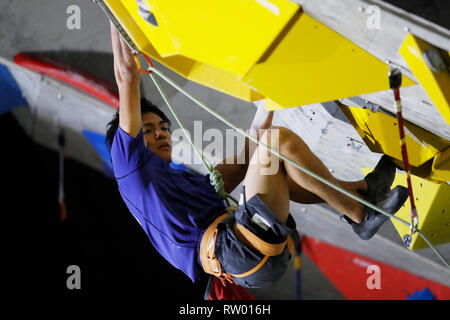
(128, 80)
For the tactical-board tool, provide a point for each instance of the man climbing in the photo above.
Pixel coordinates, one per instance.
(184, 218)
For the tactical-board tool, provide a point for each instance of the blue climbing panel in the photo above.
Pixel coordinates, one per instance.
(97, 141)
(10, 93)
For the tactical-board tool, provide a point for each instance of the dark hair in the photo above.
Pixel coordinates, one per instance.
(113, 125)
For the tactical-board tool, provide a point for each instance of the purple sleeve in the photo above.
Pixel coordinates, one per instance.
(128, 153)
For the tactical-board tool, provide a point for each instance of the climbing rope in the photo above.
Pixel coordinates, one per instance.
(152, 71)
(307, 171)
(395, 81)
(61, 196)
(215, 176)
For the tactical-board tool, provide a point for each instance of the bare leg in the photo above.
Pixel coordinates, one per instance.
(272, 188)
(301, 195)
(276, 189)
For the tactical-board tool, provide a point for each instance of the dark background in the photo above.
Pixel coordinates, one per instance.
(437, 11)
(99, 235)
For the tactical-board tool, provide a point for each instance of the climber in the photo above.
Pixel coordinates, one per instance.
(178, 210)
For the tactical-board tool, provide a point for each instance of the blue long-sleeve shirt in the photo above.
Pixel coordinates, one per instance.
(173, 206)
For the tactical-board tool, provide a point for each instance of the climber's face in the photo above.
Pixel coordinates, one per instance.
(157, 135)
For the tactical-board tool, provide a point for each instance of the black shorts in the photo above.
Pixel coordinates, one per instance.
(237, 258)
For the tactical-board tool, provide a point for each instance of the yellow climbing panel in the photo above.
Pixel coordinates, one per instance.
(429, 157)
(380, 133)
(440, 169)
(141, 31)
(252, 49)
(231, 35)
(436, 84)
(311, 63)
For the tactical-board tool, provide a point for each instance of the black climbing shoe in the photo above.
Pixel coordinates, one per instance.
(372, 221)
(380, 180)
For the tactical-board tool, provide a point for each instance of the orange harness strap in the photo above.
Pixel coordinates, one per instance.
(267, 249)
(249, 238)
(211, 264)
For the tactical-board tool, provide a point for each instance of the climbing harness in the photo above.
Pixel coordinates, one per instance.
(211, 263)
